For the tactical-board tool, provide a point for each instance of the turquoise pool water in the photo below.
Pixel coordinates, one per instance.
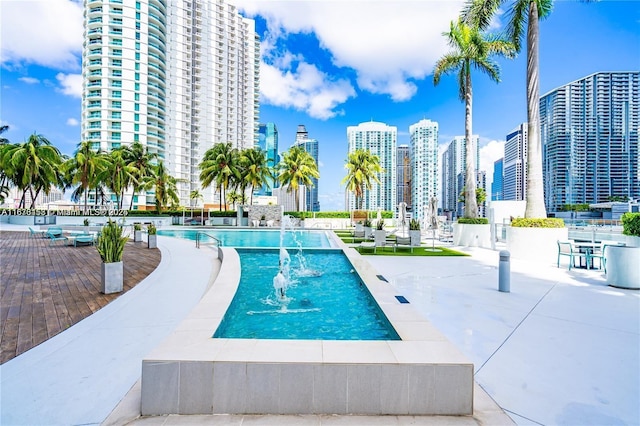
(254, 238)
(325, 300)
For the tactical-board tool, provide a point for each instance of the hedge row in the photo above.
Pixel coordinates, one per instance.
(631, 224)
(549, 222)
(473, 220)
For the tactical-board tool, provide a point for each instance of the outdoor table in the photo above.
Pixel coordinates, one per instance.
(586, 247)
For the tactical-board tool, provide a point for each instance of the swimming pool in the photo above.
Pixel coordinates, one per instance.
(324, 301)
(255, 238)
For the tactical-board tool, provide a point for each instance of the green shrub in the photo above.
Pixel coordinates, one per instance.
(414, 225)
(380, 225)
(549, 222)
(473, 220)
(366, 223)
(631, 224)
(111, 243)
(137, 227)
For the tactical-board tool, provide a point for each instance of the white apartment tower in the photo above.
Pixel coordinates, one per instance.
(379, 139)
(424, 158)
(453, 167)
(515, 164)
(178, 76)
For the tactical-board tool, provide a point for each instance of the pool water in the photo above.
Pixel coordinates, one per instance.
(325, 300)
(254, 238)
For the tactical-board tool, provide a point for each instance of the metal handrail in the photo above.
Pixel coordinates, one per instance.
(198, 237)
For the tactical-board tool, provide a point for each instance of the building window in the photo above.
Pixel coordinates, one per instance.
(137, 15)
(137, 5)
(116, 94)
(136, 137)
(116, 52)
(116, 83)
(136, 86)
(136, 96)
(116, 73)
(136, 107)
(137, 45)
(136, 117)
(116, 104)
(137, 56)
(137, 66)
(116, 114)
(116, 126)
(136, 127)
(136, 76)
(115, 136)
(94, 135)
(137, 35)
(116, 62)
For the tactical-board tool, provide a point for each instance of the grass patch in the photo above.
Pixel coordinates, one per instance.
(417, 251)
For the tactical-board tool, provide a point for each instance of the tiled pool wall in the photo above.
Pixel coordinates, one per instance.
(193, 373)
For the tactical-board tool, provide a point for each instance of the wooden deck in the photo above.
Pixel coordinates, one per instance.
(46, 289)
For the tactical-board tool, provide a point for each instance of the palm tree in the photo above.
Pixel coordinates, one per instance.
(6, 168)
(118, 174)
(362, 170)
(142, 161)
(256, 170)
(196, 196)
(479, 13)
(219, 165)
(166, 188)
(3, 140)
(297, 168)
(82, 168)
(470, 48)
(34, 166)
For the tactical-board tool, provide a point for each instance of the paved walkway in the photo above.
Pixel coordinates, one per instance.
(560, 348)
(47, 289)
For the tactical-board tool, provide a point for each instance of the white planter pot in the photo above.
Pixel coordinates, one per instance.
(152, 241)
(368, 232)
(112, 277)
(535, 244)
(623, 266)
(415, 237)
(468, 235)
(379, 237)
(137, 236)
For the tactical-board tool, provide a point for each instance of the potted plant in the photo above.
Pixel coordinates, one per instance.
(380, 235)
(623, 268)
(152, 239)
(137, 232)
(414, 232)
(85, 223)
(368, 230)
(472, 232)
(263, 220)
(110, 246)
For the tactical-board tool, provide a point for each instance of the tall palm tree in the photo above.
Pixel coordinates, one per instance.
(362, 170)
(297, 168)
(196, 196)
(523, 13)
(35, 167)
(82, 168)
(6, 168)
(139, 157)
(470, 48)
(166, 188)
(3, 129)
(256, 169)
(118, 174)
(219, 165)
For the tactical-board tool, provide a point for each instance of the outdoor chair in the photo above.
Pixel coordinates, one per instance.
(357, 234)
(403, 242)
(83, 239)
(54, 236)
(566, 248)
(39, 232)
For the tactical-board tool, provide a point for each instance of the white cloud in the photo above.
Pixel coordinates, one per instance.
(387, 43)
(29, 80)
(45, 32)
(71, 84)
(72, 122)
(304, 88)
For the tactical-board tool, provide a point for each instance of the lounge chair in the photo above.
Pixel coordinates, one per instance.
(39, 232)
(403, 242)
(54, 236)
(358, 234)
(83, 239)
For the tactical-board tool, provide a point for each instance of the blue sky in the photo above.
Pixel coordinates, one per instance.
(329, 65)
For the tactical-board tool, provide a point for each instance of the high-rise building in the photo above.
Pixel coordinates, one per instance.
(497, 193)
(424, 159)
(589, 134)
(515, 164)
(380, 140)
(268, 142)
(177, 76)
(310, 146)
(453, 174)
(403, 176)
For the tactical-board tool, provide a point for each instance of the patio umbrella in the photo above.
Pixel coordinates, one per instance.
(379, 215)
(431, 219)
(402, 212)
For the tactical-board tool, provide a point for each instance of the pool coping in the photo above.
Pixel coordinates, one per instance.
(193, 373)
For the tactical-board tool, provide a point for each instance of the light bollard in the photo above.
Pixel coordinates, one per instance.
(504, 272)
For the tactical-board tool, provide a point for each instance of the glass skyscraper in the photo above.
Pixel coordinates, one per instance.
(514, 184)
(310, 146)
(268, 142)
(589, 132)
(496, 185)
(453, 167)
(424, 159)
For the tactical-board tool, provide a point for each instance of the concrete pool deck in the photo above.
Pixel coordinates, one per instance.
(561, 348)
